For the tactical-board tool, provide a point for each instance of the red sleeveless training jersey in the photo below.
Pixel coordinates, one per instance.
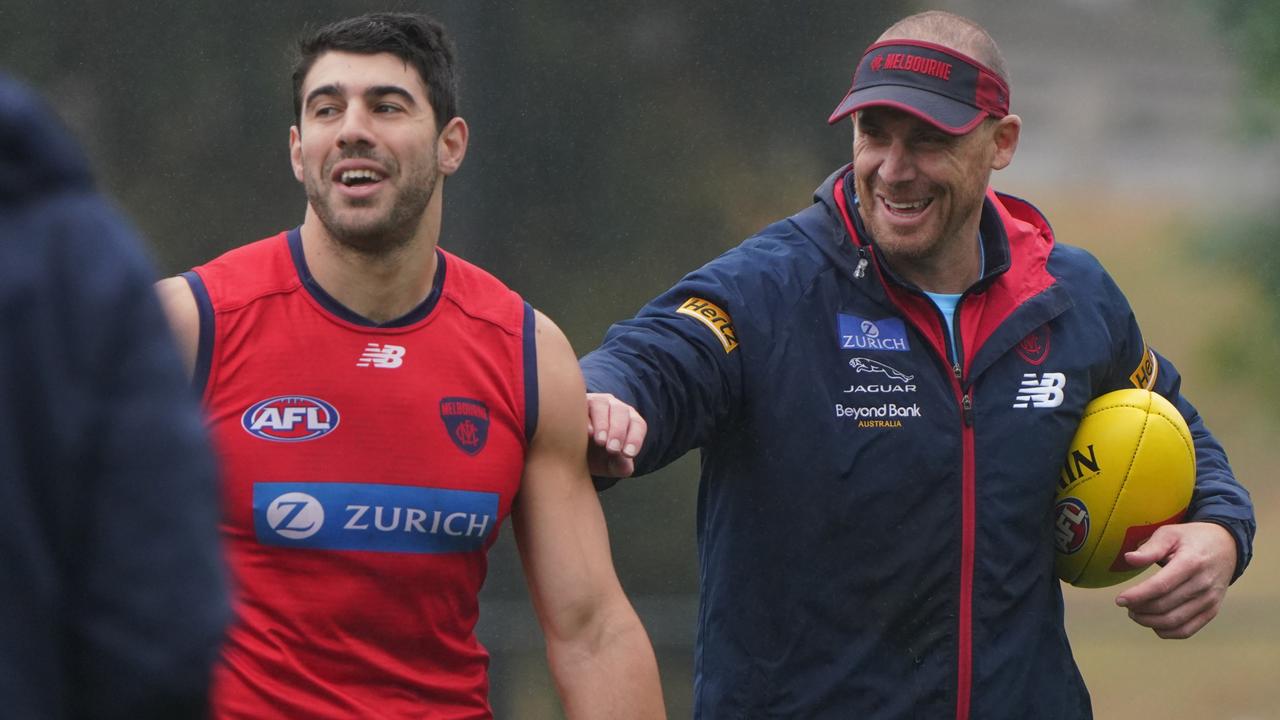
(366, 471)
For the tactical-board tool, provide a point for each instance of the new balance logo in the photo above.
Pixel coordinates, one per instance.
(1041, 391)
(381, 356)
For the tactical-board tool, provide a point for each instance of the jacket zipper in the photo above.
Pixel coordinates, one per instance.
(968, 520)
(968, 530)
(968, 512)
(964, 650)
(860, 271)
(966, 396)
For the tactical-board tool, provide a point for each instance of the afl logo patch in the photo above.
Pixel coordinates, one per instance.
(1071, 525)
(290, 418)
(467, 421)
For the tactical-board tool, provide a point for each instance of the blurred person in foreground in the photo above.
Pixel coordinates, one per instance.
(112, 595)
(380, 406)
(883, 388)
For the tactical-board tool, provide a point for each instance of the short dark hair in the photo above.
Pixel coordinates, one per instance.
(417, 39)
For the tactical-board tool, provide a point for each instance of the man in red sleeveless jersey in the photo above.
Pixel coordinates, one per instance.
(380, 406)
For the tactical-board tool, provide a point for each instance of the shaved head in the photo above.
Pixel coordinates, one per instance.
(950, 30)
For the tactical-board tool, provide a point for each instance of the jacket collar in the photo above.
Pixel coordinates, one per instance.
(992, 231)
(1017, 242)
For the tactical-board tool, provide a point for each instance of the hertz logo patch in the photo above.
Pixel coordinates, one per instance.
(1145, 376)
(714, 317)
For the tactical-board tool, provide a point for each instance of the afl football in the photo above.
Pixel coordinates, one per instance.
(1130, 469)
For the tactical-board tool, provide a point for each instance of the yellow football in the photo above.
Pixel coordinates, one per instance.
(1130, 469)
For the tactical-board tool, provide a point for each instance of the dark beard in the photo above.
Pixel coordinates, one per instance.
(385, 235)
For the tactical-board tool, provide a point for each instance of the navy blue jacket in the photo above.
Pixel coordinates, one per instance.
(112, 597)
(875, 526)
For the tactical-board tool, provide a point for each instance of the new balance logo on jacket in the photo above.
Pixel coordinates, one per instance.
(1041, 391)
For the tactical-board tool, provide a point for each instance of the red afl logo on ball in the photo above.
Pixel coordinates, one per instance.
(1070, 525)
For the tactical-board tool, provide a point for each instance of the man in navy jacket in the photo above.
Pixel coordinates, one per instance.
(112, 597)
(883, 388)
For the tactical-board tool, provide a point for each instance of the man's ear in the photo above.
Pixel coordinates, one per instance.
(295, 151)
(1005, 139)
(451, 146)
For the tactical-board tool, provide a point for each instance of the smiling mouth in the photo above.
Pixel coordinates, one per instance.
(356, 178)
(906, 209)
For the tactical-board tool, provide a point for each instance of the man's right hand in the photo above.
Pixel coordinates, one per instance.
(617, 432)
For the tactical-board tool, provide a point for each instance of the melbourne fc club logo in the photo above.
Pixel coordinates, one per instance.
(1034, 348)
(467, 421)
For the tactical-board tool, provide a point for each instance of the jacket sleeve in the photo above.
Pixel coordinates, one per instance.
(1218, 496)
(678, 362)
(147, 593)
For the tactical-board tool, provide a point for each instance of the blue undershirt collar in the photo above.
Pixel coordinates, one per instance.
(946, 302)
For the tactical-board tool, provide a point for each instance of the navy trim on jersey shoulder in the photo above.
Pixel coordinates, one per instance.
(530, 373)
(204, 346)
(332, 305)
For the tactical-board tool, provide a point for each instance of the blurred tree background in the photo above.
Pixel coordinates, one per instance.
(1252, 240)
(617, 145)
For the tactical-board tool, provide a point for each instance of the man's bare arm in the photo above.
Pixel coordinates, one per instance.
(184, 317)
(600, 655)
